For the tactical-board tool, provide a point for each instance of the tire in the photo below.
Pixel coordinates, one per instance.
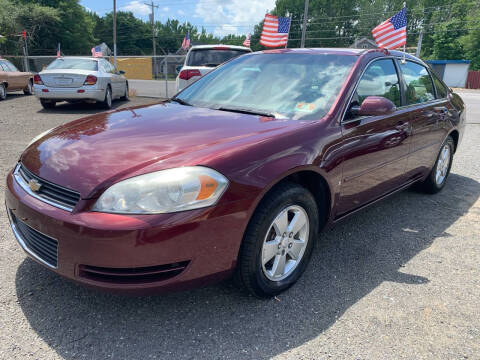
(437, 178)
(29, 88)
(3, 92)
(48, 104)
(126, 96)
(107, 102)
(265, 247)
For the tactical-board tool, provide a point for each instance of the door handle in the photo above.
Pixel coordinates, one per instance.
(401, 126)
(442, 109)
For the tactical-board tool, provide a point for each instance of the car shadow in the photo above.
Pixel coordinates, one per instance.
(15, 95)
(220, 321)
(81, 108)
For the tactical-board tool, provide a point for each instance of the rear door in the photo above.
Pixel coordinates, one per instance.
(375, 147)
(429, 114)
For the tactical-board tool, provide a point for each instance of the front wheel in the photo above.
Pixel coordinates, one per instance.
(3, 92)
(125, 97)
(107, 102)
(278, 241)
(437, 178)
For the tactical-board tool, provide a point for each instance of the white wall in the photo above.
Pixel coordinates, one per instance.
(456, 75)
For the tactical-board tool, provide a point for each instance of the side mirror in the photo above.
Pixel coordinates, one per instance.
(121, 72)
(374, 106)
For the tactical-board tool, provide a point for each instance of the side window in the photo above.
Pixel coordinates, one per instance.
(3, 67)
(380, 79)
(9, 66)
(441, 89)
(419, 83)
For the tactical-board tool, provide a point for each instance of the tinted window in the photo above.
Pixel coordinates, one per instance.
(70, 63)
(296, 86)
(212, 57)
(419, 83)
(380, 79)
(441, 89)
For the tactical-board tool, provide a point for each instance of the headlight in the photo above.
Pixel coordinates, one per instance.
(39, 136)
(164, 191)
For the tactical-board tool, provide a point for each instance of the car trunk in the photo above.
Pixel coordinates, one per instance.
(64, 78)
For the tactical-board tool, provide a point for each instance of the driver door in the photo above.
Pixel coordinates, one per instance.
(375, 148)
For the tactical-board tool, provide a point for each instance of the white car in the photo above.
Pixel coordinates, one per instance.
(202, 59)
(80, 79)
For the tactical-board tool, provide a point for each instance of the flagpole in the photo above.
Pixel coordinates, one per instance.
(405, 45)
(288, 34)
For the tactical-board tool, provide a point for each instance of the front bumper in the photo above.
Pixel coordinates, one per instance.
(60, 94)
(200, 245)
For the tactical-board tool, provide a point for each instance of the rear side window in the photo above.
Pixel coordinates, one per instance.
(418, 82)
(212, 57)
(8, 66)
(380, 79)
(441, 89)
(3, 67)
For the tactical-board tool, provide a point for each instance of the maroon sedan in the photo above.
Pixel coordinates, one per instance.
(237, 174)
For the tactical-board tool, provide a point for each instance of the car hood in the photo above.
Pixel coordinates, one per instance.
(90, 154)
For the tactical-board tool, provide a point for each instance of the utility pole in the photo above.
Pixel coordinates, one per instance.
(419, 44)
(115, 33)
(304, 26)
(154, 46)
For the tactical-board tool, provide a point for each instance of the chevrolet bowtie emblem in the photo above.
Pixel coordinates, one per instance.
(34, 185)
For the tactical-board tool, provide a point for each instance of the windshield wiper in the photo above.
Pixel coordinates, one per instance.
(246, 111)
(180, 101)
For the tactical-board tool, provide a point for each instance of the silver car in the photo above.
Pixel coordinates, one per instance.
(80, 79)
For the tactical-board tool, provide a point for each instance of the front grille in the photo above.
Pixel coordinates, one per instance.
(39, 245)
(50, 193)
(140, 275)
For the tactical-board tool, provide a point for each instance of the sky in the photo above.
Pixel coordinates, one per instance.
(220, 17)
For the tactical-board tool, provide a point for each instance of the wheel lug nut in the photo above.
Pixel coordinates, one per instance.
(290, 245)
(284, 234)
(291, 234)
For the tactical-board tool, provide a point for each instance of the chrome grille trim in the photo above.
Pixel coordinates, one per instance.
(49, 193)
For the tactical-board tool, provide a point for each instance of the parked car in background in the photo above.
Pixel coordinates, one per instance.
(76, 79)
(11, 79)
(237, 174)
(202, 59)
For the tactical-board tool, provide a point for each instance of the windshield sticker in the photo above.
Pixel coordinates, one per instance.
(305, 107)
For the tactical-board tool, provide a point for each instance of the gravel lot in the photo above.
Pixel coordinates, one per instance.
(400, 280)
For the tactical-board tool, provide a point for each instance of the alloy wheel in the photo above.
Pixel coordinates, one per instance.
(285, 243)
(443, 165)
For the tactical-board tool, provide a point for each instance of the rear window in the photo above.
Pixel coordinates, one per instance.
(9, 66)
(212, 57)
(78, 64)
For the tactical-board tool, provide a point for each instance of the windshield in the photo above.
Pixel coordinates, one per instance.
(79, 64)
(295, 86)
(212, 57)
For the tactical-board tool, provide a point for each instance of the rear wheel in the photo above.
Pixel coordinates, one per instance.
(29, 88)
(48, 104)
(107, 102)
(278, 242)
(437, 178)
(3, 92)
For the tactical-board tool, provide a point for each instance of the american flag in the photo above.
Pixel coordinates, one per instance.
(275, 31)
(97, 51)
(186, 41)
(246, 43)
(392, 33)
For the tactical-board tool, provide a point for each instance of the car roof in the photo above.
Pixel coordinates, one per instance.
(213, 46)
(79, 57)
(340, 51)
